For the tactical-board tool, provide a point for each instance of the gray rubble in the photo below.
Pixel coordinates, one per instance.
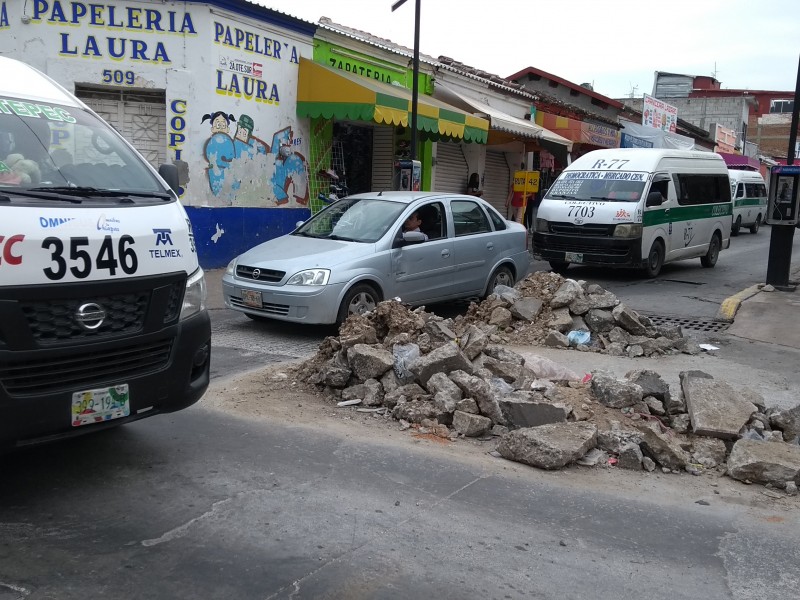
(455, 379)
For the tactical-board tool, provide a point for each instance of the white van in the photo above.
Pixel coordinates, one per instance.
(635, 207)
(749, 193)
(102, 300)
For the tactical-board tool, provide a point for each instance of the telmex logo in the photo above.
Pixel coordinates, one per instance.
(6, 246)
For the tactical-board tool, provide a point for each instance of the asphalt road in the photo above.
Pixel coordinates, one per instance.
(201, 505)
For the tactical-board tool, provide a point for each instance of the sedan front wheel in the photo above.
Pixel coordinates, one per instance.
(359, 299)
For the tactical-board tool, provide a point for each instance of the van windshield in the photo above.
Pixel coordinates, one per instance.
(612, 186)
(45, 145)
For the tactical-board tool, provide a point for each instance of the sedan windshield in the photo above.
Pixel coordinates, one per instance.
(353, 220)
(614, 186)
(48, 150)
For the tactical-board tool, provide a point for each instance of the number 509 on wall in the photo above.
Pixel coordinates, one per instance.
(118, 77)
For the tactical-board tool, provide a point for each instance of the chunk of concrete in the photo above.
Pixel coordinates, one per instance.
(446, 394)
(665, 450)
(788, 421)
(522, 409)
(556, 339)
(481, 392)
(628, 319)
(526, 309)
(613, 392)
(473, 341)
(443, 359)
(471, 425)
(368, 362)
(560, 319)
(764, 462)
(565, 294)
(501, 317)
(415, 412)
(715, 408)
(548, 446)
(599, 320)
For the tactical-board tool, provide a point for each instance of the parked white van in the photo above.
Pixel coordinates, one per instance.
(636, 208)
(749, 193)
(102, 300)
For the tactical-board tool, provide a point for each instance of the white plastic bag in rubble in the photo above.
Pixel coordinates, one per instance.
(544, 368)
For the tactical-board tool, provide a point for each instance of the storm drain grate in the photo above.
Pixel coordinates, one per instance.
(691, 323)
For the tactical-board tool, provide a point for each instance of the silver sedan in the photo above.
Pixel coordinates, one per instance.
(361, 250)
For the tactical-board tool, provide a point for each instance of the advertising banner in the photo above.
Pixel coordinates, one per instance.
(657, 113)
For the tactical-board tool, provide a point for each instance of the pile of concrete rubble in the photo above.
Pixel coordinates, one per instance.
(454, 379)
(546, 309)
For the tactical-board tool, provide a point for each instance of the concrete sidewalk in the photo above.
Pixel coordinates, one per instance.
(772, 317)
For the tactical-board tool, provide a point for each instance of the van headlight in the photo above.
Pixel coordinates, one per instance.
(628, 230)
(231, 268)
(310, 277)
(542, 225)
(194, 298)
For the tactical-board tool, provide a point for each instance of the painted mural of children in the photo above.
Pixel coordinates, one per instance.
(220, 122)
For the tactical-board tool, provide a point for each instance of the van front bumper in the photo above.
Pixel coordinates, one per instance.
(596, 251)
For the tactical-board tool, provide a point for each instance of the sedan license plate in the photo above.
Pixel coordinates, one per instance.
(573, 257)
(104, 404)
(251, 298)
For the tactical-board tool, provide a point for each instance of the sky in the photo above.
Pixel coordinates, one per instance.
(615, 45)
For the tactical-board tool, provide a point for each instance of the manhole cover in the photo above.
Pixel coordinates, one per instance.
(691, 323)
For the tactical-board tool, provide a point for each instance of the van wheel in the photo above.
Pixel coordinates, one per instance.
(502, 276)
(737, 226)
(754, 227)
(655, 260)
(710, 259)
(359, 299)
(559, 266)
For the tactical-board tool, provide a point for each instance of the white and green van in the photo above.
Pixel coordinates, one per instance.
(749, 193)
(636, 208)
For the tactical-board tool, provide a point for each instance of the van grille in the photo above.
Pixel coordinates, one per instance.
(83, 369)
(590, 229)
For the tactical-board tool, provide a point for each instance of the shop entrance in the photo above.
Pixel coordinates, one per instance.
(356, 146)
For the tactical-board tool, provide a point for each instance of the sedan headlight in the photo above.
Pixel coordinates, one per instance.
(231, 268)
(194, 298)
(310, 277)
(542, 225)
(628, 230)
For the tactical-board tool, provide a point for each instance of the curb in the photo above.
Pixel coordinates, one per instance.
(727, 310)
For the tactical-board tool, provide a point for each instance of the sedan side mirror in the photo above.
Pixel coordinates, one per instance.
(414, 237)
(654, 199)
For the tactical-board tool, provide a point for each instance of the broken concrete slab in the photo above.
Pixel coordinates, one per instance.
(628, 319)
(764, 462)
(715, 408)
(565, 294)
(548, 446)
(666, 450)
(526, 409)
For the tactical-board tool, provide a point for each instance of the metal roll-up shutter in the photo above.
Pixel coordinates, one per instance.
(497, 179)
(452, 170)
(139, 115)
(382, 158)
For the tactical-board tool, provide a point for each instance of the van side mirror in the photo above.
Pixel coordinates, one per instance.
(169, 173)
(654, 199)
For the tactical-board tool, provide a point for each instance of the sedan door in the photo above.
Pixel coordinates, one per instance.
(423, 272)
(475, 245)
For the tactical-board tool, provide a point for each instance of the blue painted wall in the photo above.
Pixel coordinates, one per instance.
(238, 229)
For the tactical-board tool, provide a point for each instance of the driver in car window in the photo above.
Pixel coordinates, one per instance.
(412, 223)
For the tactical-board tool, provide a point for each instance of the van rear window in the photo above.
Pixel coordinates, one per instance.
(702, 189)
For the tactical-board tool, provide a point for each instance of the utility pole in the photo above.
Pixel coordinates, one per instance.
(415, 83)
(782, 236)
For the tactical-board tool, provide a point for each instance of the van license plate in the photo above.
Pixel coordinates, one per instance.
(104, 404)
(573, 257)
(251, 298)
